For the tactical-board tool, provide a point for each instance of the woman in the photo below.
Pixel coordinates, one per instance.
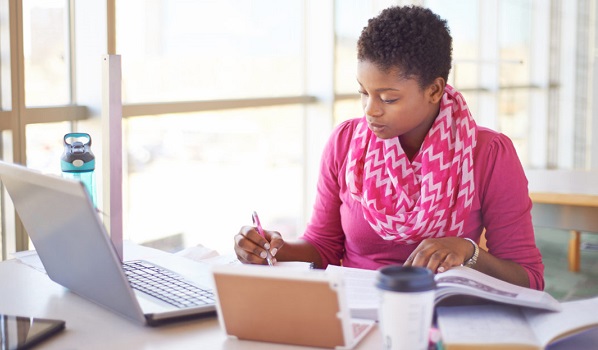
(415, 181)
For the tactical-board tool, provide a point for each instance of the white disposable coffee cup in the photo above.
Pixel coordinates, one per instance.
(407, 306)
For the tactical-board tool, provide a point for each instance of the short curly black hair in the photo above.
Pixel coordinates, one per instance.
(412, 39)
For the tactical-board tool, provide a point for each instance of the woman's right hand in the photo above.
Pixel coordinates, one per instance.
(252, 248)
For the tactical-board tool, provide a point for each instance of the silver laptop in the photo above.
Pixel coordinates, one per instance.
(77, 252)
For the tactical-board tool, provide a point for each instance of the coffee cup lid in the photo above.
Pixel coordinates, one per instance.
(405, 279)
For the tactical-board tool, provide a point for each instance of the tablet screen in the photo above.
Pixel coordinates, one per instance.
(18, 332)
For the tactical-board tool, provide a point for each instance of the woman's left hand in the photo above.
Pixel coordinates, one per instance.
(440, 254)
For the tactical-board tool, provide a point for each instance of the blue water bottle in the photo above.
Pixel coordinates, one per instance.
(78, 162)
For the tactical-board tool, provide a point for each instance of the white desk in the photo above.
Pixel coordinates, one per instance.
(28, 292)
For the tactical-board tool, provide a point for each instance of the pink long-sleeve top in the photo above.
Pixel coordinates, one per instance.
(501, 205)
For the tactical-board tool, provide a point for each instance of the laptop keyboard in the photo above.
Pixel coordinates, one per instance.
(165, 285)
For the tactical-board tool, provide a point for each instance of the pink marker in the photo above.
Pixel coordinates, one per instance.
(256, 222)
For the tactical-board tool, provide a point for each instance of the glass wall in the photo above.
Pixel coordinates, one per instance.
(196, 178)
(193, 177)
(5, 63)
(515, 35)
(46, 52)
(176, 50)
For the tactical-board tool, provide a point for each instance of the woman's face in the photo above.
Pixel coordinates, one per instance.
(396, 106)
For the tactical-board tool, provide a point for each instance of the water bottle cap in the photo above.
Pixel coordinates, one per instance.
(77, 156)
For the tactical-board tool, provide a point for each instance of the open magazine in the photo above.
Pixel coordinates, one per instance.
(494, 327)
(457, 283)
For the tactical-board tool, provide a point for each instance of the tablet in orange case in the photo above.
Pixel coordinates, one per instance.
(287, 306)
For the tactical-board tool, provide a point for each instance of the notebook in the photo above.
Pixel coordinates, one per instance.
(77, 253)
(288, 306)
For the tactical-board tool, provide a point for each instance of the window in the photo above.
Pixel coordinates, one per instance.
(203, 50)
(227, 91)
(196, 178)
(46, 51)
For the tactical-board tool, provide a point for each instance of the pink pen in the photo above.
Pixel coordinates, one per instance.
(256, 222)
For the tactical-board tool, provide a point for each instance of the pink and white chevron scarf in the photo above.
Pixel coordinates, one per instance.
(428, 197)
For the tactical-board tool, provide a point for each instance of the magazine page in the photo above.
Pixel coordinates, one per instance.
(465, 281)
(576, 316)
(513, 327)
(360, 288)
(488, 326)
(363, 298)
